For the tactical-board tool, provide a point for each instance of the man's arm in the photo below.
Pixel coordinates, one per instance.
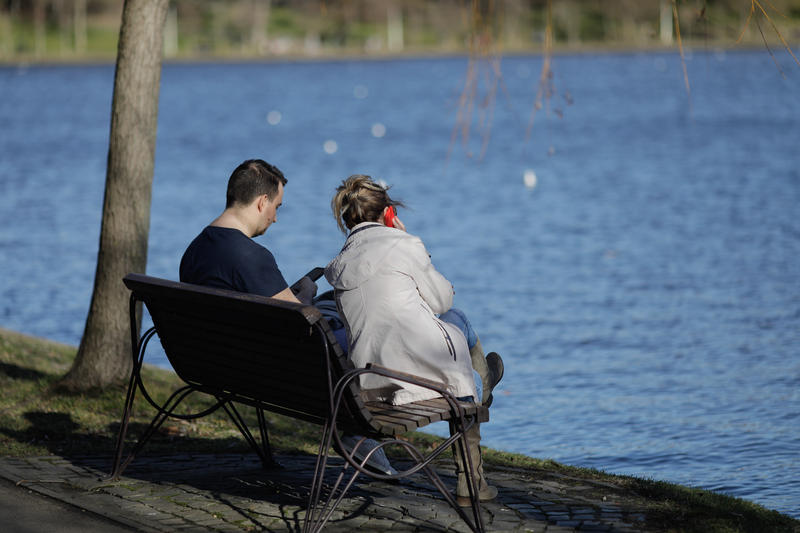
(287, 295)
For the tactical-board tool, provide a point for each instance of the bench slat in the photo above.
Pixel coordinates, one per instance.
(289, 394)
(148, 288)
(418, 414)
(242, 356)
(435, 414)
(470, 409)
(236, 329)
(388, 425)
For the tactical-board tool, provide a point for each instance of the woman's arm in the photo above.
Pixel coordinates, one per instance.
(433, 287)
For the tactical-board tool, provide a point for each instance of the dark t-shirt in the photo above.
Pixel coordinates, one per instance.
(226, 258)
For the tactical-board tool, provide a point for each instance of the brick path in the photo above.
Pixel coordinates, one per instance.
(231, 493)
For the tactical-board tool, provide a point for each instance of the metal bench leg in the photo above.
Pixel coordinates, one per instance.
(460, 447)
(116, 471)
(262, 427)
(137, 353)
(169, 407)
(317, 516)
(264, 451)
(319, 513)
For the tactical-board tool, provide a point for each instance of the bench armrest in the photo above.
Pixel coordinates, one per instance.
(372, 368)
(411, 378)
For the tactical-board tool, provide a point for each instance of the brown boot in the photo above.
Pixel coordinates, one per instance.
(496, 369)
(486, 492)
(489, 368)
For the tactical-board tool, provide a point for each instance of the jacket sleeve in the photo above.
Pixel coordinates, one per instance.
(434, 288)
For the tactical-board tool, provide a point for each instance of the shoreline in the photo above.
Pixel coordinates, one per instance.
(412, 55)
(36, 421)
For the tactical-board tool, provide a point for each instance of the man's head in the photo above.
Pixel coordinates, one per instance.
(256, 189)
(252, 179)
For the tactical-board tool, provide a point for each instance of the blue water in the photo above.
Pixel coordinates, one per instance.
(645, 294)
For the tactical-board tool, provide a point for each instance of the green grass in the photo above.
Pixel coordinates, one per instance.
(37, 419)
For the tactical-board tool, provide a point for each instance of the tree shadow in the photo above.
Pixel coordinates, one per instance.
(17, 372)
(57, 432)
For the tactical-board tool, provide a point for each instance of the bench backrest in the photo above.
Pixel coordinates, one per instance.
(252, 349)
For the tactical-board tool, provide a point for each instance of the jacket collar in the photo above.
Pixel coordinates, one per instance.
(361, 227)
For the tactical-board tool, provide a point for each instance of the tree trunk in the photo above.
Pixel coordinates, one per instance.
(259, 17)
(64, 29)
(394, 28)
(6, 37)
(79, 26)
(104, 355)
(39, 28)
(171, 32)
(665, 21)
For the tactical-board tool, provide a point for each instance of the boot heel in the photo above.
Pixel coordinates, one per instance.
(495, 373)
(463, 501)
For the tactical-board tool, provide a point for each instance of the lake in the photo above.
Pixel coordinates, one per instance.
(635, 260)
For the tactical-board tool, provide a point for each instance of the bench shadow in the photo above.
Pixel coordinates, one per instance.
(234, 478)
(239, 482)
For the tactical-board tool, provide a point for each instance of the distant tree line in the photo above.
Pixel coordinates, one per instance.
(79, 29)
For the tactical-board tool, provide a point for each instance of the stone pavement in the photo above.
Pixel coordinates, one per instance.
(232, 493)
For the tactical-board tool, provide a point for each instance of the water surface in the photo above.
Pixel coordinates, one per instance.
(645, 294)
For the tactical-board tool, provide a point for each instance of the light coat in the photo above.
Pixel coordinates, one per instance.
(389, 293)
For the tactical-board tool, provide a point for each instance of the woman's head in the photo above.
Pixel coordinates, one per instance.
(359, 199)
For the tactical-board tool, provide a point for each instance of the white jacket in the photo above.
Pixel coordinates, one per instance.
(388, 294)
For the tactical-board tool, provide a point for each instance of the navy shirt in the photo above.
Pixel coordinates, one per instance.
(226, 258)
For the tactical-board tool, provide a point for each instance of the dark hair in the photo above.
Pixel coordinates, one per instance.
(359, 199)
(250, 180)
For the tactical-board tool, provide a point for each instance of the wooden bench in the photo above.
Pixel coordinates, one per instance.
(281, 357)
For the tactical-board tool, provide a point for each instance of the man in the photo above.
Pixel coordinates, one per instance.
(224, 255)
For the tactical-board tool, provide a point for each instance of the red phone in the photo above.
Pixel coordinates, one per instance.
(389, 216)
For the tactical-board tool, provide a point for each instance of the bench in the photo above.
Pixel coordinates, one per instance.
(281, 357)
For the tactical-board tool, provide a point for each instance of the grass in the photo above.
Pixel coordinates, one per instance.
(36, 419)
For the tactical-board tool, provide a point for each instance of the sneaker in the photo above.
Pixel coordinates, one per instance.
(378, 462)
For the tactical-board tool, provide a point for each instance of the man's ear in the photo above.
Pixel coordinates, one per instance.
(262, 201)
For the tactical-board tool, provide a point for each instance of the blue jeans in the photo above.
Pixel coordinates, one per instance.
(459, 319)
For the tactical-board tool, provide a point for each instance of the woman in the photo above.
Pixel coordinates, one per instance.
(397, 312)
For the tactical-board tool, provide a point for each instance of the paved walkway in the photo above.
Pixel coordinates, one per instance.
(24, 511)
(231, 493)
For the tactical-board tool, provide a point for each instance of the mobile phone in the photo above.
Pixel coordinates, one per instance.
(389, 216)
(315, 273)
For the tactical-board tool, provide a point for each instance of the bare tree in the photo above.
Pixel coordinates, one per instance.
(104, 354)
(64, 29)
(79, 25)
(39, 28)
(259, 15)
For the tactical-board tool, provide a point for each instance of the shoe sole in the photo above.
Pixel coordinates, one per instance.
(465, 501)
(493, 360)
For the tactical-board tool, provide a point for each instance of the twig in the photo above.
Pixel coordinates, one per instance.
(680, 49)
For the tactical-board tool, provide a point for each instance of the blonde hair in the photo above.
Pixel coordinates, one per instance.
(359, 199)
